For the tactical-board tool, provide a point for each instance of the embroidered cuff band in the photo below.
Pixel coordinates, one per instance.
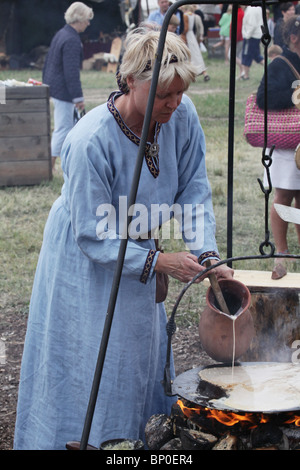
(208, 254)
(147, 267)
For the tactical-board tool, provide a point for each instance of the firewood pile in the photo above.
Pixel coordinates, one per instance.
(200, 432)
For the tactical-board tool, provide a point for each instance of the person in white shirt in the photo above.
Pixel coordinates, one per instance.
(251, 31)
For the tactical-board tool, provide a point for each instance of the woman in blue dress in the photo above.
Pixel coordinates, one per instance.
(80, 247)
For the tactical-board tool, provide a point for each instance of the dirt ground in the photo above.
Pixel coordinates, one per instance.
(185, 342)
(12, 333)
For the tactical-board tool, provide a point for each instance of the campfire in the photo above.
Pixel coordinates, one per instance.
(231, 419)
(194, 427)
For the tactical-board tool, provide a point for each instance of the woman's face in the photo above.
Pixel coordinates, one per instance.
(289, 13)
(166, 99)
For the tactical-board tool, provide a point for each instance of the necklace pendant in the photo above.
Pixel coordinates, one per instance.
(154, 149)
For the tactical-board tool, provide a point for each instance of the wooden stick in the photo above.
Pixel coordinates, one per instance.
(217, 290)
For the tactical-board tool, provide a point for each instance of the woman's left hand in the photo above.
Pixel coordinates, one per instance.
(223, 271)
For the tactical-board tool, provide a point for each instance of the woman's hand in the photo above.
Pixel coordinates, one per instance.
(184, 266)
(222, 271)
(80, 105)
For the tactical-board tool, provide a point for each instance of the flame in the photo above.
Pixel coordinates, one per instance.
(293, 420)
(229, 418)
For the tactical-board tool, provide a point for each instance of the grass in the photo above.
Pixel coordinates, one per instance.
(24, 210)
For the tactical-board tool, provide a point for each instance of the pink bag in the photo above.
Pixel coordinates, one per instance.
(283, 126)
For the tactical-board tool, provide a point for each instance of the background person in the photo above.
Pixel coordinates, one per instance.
(157, 16)
(251, 31)
(287, 10)
(193, 35)
(239, 40)
(284, 173)
(173, 24)
(62, 73)
(274, 51)
(225, 23)
(207, 13)
(78, 257)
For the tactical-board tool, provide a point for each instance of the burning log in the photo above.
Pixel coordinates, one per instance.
(269, 436)
(229, 442)
(184, 415)
(197, 440)
(293, 435)
(158, 431)
(194, 427)
(173, 444)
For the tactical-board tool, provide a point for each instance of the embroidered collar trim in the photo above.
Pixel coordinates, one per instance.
(151, 150)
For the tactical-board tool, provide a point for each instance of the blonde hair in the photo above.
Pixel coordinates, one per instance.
(78, 12)
(187, 8)
(174, 20)
(274, 50)
(140, 54)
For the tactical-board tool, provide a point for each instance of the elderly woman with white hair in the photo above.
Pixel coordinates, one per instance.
(62, 73)
(81, 243)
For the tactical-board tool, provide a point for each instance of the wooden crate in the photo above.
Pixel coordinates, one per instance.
(25, 155)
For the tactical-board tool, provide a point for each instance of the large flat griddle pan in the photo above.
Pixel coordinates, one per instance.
(191, 387)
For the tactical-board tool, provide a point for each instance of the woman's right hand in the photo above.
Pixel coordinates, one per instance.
(183, 266)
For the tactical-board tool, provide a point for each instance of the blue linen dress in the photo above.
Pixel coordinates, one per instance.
(74, 278)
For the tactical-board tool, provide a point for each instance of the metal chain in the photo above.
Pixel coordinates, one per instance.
(266, 156)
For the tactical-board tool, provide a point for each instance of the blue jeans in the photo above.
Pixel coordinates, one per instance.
(251, 51)
(63, 123)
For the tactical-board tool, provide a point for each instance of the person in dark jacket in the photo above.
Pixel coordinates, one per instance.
(285, 175)
(62, 73)
(287, 10)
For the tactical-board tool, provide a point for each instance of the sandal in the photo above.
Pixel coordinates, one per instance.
(280, 269)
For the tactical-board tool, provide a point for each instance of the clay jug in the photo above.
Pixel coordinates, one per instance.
(217, 330)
